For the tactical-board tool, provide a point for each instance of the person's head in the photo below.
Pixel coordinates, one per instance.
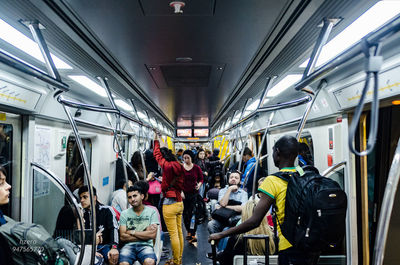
(122, 184)
(145, 187)
(150, 162)
(188, 157)
(234, 178)
(257, 247)
(136, 160)
(216, 152)
(136, 195)
(179, 153)
(208, 153)
(4, 187)
(83, 193)
(285, 151)
(201, 154)
(303, 149)
(247, 154)
(167, 154)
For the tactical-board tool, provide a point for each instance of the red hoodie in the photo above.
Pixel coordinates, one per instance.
(171, 170)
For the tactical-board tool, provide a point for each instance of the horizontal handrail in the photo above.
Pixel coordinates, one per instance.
(29, 70)
(372, 39)
(279, 106)
(333, 168)
(74, 203)
(74, 104)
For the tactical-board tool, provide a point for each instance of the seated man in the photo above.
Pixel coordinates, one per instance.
(106, 225)
(232, 192)
(138, 228)
(118, 198)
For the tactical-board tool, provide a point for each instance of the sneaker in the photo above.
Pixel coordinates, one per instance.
(188, 236)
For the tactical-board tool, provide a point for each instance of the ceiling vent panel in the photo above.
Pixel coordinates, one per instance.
(190, 8)
(169, 76)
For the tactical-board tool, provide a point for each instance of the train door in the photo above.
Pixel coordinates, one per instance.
(372, 171)
(10, 159)
(74, 173)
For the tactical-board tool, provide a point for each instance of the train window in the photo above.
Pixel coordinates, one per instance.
(45, 193)
(306, 150)
(6, 134)
(74, 172)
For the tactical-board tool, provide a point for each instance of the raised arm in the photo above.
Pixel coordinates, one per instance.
(157, 154)
(254, 221)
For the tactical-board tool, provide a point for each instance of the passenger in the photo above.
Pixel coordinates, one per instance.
(118, 198)
(248, 174)
(145, 188)
(202, 163)
(5, 251)
(193, 182)
(154, 172)
(107, 240)
(136, 163)
(235, 245)
(172, 186)
(273, 191)
(226, 195)
(138, 228)
(179, 155)
(208, 154)
(305, 157)
(214, 156)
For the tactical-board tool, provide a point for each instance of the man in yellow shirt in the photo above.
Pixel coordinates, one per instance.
(273, 191)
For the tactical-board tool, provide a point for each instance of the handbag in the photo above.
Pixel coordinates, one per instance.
(223, 215)
(154, 187)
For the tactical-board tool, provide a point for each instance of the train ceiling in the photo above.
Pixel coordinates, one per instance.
(199, 59)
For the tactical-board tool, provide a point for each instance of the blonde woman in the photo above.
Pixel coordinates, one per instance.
(235, 244)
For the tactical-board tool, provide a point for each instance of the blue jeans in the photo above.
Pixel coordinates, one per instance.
(133, 252)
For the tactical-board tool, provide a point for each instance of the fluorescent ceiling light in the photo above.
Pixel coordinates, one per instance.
(141, 115)
(236, 117)
(88, 83)
(153, 122)
(285, 83)
(123, 105)
(371, 20)
(22, 42)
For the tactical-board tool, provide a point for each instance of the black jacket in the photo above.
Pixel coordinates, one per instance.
(105, 217)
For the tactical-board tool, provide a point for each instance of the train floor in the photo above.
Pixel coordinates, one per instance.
(192, 254)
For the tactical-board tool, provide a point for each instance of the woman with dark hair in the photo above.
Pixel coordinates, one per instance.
(171, 186)
(193, 182)
(136, 162)
(202, 161)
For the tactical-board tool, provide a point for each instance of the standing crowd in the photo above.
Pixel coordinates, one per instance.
(173, 190)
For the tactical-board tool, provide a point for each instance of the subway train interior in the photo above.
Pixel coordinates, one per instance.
(86, 85)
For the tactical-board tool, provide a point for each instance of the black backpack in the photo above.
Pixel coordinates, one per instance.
(315, 210)
(32, 244)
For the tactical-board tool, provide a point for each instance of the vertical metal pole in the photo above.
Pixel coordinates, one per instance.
(322, 38)
(387, 207)
(259, 153)
(268, 85)
(88, 179)
(302, 123)
(245, 251)
(37, 35)
(104, 83)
